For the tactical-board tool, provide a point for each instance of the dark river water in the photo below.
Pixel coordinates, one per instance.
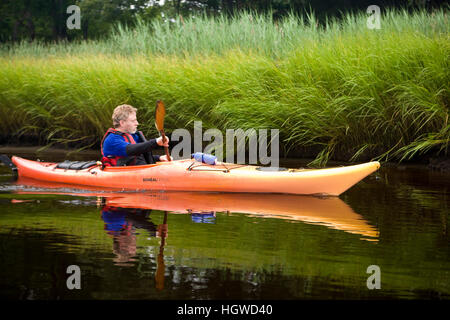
(387, 237)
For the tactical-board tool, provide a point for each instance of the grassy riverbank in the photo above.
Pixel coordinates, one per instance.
(347, 91)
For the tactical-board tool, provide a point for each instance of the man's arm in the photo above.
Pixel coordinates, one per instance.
(138, 148)
(116, 146)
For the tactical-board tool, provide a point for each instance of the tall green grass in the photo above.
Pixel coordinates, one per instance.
(352, 92)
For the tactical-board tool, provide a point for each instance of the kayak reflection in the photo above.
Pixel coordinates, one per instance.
(330, 212)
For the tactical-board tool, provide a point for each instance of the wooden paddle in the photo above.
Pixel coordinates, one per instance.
(160, 112)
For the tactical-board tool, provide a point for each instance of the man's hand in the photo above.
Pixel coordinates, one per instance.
(160, 142)
(164, 158)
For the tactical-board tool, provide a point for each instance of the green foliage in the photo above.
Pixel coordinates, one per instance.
(24, 20)
(45, 20)
(98, 16)
(353, 92)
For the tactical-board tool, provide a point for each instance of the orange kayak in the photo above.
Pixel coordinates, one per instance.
(190, 175)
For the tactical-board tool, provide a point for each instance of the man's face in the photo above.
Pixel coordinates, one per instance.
(129, 125)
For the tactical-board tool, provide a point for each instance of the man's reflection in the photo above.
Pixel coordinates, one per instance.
(121, 224)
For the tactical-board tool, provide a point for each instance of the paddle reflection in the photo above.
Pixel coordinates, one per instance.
(160, 270)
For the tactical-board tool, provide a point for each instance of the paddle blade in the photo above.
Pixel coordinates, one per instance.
(160, 113)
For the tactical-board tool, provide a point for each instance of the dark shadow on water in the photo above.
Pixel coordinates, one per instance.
(33, 269)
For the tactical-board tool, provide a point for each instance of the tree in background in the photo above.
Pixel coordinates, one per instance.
(99, 16)
(30, 19)
(46, 19)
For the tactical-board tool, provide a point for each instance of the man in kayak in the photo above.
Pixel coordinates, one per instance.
(123, 145)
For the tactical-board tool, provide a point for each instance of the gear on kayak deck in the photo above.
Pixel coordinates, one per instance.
(76, 165)
(217, 167)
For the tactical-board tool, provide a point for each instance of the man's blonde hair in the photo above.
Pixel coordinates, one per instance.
(122, 112)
